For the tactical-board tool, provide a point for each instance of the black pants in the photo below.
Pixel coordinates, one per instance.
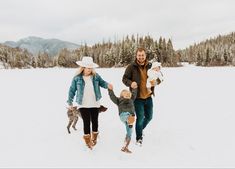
(89, 115)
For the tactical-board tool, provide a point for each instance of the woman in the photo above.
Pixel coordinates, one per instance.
(86, 84)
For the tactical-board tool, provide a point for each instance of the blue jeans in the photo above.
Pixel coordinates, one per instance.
(124, 116)
(144, 114)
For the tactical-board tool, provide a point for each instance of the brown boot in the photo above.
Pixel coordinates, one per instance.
(126, 144)
(94, 138)
(131, 120)
(87, 138)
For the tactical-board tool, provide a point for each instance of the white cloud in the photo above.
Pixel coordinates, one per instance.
(92, 21)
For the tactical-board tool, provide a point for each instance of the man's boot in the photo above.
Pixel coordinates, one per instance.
(87, 138)
(94, 138)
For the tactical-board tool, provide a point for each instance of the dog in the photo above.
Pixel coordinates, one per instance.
(74, 114)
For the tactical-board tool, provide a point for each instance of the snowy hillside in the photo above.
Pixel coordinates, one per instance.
(35, 45)
(193, 123)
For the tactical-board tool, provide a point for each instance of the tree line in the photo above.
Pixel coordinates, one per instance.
(219, 51)
(121, 53)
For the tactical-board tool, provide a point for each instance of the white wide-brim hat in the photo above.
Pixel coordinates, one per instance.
(87, 62)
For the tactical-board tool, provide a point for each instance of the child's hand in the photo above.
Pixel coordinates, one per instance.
(110, 86)
(70, 107)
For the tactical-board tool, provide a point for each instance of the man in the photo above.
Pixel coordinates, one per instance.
(135, 76)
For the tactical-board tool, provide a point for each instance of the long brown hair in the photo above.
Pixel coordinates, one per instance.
(81, 69)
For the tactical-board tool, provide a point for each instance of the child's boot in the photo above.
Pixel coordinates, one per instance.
(126, 144)
(131, 120)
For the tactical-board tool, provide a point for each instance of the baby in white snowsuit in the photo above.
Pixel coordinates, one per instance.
(154, 73)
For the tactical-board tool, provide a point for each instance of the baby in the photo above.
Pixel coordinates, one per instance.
(154, 73)
(126, 109)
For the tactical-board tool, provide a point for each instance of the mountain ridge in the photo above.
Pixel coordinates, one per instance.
(37, 45)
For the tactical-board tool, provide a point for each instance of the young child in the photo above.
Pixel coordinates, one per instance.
(154, 73)
(126, 109)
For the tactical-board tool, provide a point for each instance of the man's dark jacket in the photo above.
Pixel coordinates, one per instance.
(132, 74)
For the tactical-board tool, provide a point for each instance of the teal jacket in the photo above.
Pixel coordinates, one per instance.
(77, 87)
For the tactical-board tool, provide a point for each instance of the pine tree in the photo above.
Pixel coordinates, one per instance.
(207, 61)
(164, 53)
(171, 57)
(199, 59)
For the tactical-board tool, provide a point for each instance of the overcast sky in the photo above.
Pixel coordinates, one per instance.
(92, 21)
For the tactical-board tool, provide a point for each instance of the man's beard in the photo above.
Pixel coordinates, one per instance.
(141, 62)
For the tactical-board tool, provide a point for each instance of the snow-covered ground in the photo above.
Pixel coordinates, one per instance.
(1, 65)
(193, 123)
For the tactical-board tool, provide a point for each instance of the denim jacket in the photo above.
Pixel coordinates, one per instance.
(77, 87)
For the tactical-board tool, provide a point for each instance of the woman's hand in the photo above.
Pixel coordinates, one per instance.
(70, 107)
(110, 86)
